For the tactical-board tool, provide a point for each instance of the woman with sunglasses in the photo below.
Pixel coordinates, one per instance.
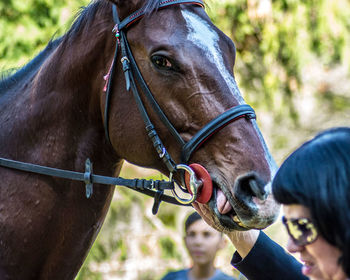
(313, 185)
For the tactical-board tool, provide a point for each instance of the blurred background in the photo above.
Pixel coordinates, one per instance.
(292, 66)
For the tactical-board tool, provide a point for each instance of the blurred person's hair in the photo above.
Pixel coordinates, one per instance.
(193, 217)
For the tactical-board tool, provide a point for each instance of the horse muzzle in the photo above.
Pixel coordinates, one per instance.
(246, 207)
(241, 210)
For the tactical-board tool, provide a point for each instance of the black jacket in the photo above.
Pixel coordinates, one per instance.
(268, 261)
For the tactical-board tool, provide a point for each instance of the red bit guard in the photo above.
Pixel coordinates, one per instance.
(206, 190)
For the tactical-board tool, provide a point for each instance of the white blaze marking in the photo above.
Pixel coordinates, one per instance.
(204, 37)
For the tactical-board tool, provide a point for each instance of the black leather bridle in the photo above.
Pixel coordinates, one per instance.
(133, 77)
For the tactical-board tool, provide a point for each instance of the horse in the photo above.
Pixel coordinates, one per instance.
(77, 99)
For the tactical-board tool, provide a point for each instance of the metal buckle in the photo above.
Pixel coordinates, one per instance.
(88, 178)
(194, 185)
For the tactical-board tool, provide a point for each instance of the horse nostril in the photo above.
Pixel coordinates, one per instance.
(250, 185)
(258, 190)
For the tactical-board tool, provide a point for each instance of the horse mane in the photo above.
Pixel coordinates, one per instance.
(83, 18)
(9, 80)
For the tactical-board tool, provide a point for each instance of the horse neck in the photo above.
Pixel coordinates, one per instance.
(57, 113)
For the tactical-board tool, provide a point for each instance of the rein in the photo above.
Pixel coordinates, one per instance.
(195, 180)
(148, 187)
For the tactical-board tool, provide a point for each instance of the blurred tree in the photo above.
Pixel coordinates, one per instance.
(27, 26)
(293, 57)
(276, 40)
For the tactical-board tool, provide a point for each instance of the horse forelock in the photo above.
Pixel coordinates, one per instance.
(151, 6)
(86, 15)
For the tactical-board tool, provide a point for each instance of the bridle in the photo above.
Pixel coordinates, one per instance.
(133, 75)
(132, 78)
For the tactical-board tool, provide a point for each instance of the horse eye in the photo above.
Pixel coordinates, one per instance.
(161, 62)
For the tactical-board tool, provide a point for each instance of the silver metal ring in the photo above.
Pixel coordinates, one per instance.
(194, 185)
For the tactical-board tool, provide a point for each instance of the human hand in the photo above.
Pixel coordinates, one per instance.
(243, 241)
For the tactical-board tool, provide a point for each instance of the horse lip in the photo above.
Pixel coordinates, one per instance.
(225, 220)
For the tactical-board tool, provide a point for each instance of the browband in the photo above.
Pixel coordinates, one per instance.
(162, 4)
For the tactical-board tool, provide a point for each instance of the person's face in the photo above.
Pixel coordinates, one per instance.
(203, 242)
(320, 259)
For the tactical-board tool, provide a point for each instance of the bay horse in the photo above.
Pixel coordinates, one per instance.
(62, 108)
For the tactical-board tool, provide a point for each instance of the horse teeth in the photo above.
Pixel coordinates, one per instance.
(236, 219)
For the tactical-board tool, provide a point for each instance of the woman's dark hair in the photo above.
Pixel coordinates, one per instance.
(317, 176)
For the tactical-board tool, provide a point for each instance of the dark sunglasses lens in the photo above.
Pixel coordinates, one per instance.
(302, 231)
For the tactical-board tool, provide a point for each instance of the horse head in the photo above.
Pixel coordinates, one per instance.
(187, 64)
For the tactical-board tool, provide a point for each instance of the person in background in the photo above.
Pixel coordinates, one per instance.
(313, 185)
(202, 242)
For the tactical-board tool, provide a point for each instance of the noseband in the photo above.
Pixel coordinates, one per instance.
(196, 176)
(132, 75)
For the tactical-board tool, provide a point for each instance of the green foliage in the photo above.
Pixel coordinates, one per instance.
(168, 248)
(274, 45)
(168, 216)
(27, 26)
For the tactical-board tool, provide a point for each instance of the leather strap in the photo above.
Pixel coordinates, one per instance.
(214, 126)
(162, 4)
(154, 104)
(149, 187)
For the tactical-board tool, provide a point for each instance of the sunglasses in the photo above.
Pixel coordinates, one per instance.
(302, 230)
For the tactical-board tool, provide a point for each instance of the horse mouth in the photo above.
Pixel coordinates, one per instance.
(228, 218)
